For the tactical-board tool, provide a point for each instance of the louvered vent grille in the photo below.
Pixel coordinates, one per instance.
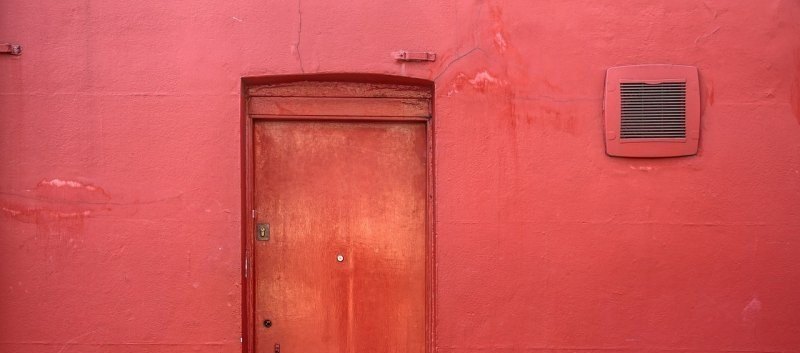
(653, 111)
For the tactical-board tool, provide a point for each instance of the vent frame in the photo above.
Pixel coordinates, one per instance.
(655, 145)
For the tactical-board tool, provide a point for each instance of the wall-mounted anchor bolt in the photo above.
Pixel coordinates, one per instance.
(8, 48)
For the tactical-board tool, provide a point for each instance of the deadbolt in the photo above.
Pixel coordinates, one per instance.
(267, 323)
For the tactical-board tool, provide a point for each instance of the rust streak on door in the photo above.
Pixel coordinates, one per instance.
(344, 267)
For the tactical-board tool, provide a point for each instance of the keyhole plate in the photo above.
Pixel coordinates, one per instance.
(262, 231)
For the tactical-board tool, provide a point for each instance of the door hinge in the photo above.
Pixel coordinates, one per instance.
(254, 214)
(246, 266)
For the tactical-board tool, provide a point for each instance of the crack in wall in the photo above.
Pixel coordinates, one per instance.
(458, 58)
(299, 34)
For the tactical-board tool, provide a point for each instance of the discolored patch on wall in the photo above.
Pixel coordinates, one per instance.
(56, 206)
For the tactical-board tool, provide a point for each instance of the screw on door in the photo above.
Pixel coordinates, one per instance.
(267, 323)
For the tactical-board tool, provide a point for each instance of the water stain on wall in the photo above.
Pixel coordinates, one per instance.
(56, 206)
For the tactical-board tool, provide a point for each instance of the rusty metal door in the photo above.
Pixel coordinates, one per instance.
(340, 236)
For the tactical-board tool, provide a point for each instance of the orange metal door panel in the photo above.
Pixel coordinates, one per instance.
(344, 267)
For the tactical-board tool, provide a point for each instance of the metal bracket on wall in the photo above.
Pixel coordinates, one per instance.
(414, 56)
(8, 48)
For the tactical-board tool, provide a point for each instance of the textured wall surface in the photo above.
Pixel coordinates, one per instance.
(120, 176)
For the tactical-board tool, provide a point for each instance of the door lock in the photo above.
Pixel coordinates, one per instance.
(262, 231)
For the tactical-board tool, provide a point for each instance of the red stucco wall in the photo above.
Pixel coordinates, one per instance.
(120, 175)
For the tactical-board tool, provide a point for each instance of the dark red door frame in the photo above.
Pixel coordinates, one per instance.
(248, 213)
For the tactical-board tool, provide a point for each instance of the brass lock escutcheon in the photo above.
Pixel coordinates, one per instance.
(262, 231)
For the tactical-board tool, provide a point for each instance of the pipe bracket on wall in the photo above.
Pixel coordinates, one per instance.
(8, 48)
(413, 56)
